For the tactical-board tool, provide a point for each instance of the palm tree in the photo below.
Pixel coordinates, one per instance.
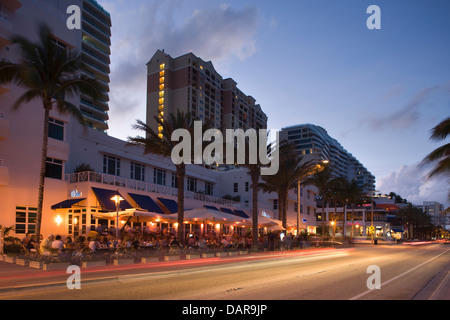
(254, 170)
(442, 154)
(50, 74)
(321, 180)
(349, 193)
(161, 143)
(337, 193)
(291, 168)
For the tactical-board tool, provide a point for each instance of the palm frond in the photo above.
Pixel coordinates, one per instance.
(441, 131)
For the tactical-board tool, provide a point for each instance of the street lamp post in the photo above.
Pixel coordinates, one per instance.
(117, 200)
(298, 207)
(372, 228)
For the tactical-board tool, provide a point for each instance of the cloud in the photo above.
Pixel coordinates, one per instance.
(410, 113)
(221, 34)
(411, 183)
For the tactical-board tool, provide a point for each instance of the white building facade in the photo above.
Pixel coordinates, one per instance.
(85, 166)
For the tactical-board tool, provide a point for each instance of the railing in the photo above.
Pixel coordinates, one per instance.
(3, 15)
(90, 176)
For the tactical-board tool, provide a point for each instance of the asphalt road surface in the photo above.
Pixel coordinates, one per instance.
(396, 272)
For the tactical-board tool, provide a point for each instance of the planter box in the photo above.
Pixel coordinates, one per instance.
(118, 262)
(149, 259)
(172, 258)
(193, 256)
(55, 266)
(22, 262)
(35, 264)
(242, 252)
(97, 263)
(232, 253)
(207, 255)
(221, 254)
(10, 259)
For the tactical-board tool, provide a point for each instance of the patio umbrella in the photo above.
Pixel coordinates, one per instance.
(211, 215)
(275, 228)
(267, 222)
(135, 215)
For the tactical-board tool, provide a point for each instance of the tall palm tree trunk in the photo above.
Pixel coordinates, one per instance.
(47, 107)
(181, 172)
(255, 178)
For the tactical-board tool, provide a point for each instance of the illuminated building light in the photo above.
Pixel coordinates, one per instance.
(58, 220)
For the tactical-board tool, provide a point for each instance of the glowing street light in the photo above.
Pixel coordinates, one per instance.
(117, 200)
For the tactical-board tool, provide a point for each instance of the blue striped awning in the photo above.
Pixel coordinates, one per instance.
(104, 198)
(170, 204)
(67, 204)
(211, 207)
(241, 213)
(226, 210)
(146, 203)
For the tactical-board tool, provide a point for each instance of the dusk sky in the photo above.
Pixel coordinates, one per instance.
(378, 92)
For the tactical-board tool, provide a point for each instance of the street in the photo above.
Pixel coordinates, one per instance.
(405, 273)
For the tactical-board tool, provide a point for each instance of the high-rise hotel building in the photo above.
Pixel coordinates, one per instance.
(21, 129)
(92, 41)
(314, 143)
(188, 83)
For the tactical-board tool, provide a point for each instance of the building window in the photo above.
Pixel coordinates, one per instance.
(25, 220)
(209, 188)
(54, 168)
(56, 129)
(159, 177)
(247, 186)
(137, 171)
(174, 180)
(111, 165)
(275, 204)
(235, 187)
(191, 184)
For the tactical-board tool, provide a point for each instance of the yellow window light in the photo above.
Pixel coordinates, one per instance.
(162, 66)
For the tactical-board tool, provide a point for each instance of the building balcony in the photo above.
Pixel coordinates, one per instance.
(4, 126)
(95, 177)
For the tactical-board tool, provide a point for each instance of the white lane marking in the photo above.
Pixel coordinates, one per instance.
(399, 276)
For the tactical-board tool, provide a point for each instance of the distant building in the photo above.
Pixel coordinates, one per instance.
(188, 83)
(314, 143)
(436, 212)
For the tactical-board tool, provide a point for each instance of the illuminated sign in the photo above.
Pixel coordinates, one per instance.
(75, 194)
